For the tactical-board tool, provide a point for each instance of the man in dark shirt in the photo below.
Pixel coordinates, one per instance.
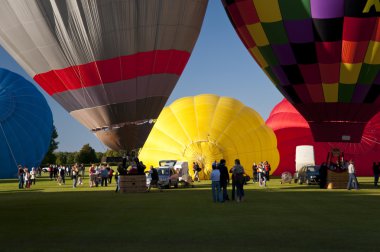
(20, 175)
(376, 171)
(62, 174)
(224, 178)
(154, 177)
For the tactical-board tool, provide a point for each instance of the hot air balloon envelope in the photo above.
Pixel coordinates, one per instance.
(322, 55)
(292, 130)
(206, 128)
(111, 64)
(26, 124)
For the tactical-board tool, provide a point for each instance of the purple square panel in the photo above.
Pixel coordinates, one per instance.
(327, 8)
(299, 31)
(284, 54)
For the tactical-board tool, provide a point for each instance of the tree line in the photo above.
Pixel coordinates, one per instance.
(85, 155)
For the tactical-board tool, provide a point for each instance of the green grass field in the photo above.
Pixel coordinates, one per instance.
(49, 217)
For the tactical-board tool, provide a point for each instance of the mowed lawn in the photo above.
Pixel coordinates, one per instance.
(290, 217)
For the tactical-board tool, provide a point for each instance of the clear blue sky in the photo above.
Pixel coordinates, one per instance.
(220, 64)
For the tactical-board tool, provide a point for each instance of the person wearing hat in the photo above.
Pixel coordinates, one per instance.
(351, 176)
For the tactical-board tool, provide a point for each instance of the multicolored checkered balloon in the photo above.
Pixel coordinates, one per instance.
(322, 55)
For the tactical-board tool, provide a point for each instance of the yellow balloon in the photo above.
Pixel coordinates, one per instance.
(206, 128)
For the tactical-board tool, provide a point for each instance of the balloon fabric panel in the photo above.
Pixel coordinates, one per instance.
(318, 53)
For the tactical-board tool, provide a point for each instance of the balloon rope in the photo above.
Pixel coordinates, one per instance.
(6, 139)
(371, 140)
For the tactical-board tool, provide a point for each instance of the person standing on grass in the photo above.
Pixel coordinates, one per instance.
(233, 189)
(110, 173)
(153, 178)
(51, 172)
(376, 171)
(104, 175)
(215, 184)
(20, 175)
(351, 176)
(27, 177)
(196, 170)
(224, 178)
(74, 174)
(238, 172)
(55, 171)
(267, 169)
(62, 174)
(254, 169)
(33, 175)
(91, 174)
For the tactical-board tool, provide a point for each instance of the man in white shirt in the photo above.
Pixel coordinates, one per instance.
(215, 185)
(351, 176)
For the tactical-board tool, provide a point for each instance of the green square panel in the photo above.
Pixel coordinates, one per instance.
(275, 32)
(268, 55)
(269, 71)
(368, 73)
(345, 92)
(295, 9)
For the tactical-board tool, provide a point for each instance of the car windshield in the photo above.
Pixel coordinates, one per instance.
(167, 163)
(163, 171)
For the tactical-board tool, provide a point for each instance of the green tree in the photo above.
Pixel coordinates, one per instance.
(113, 153)
(61, 158)
(86, 155)
(50, 157)
(71, 156)
(99, 156)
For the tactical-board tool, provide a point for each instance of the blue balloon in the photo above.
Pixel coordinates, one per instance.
(26, 124)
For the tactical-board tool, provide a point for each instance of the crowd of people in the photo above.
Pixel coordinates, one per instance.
(220, 179)
(25, 177)
(261, 173)
(102, 175)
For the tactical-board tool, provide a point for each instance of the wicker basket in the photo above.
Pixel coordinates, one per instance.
(337, 180)
(132, 183)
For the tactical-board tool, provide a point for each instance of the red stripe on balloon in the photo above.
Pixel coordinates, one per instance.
(113, 70)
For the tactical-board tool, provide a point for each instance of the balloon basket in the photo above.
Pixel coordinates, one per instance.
(132, 183)
(337, 180)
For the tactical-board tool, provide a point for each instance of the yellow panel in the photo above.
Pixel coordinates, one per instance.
(373, 53)
(261, 61)
(174, 128)
(205, 106)
(225, 128)
(184, 112)
(349, 73)
(268, 10)
(330, 92)
(258, 34)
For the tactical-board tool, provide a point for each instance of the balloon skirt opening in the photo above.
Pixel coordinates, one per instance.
(350, 132)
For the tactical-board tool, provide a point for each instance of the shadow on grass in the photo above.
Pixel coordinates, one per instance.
(4, 181)
(21, 191)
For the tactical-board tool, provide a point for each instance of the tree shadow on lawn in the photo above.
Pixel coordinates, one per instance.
(21, 191)
(4, 181)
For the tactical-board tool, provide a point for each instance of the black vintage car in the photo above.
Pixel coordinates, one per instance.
(308, 174)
